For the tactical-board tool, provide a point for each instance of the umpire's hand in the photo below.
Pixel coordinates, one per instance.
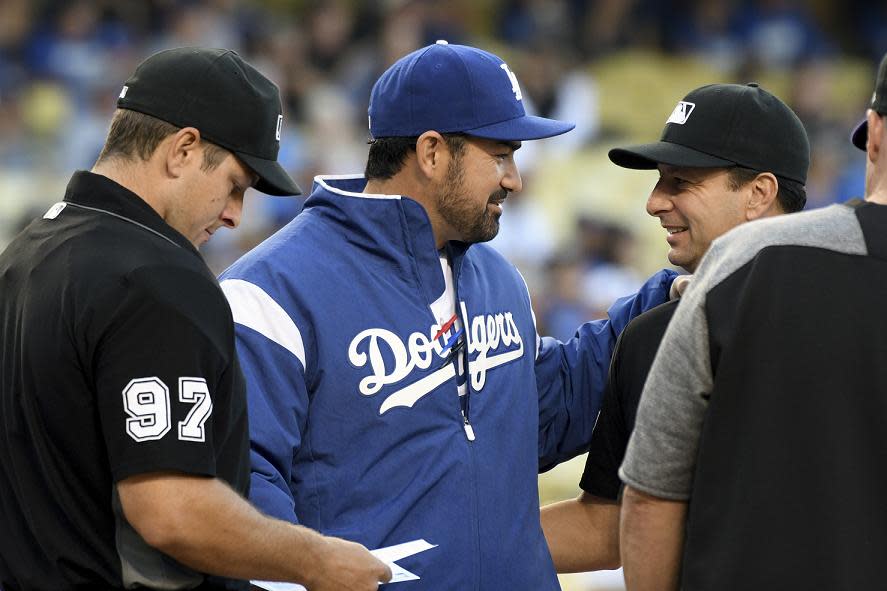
(348, 566)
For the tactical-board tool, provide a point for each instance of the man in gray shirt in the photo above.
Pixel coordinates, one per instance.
(758, 451)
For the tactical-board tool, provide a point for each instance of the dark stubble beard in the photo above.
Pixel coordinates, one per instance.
(457, 209)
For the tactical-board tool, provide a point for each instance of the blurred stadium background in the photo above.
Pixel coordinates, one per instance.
(578, 231)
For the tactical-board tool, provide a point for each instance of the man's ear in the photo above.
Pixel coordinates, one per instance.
(182, 150)
(432, 154)
(763, 190)
(875, 135)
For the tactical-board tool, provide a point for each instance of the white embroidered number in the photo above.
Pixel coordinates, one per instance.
(146, 401)
(194, 390)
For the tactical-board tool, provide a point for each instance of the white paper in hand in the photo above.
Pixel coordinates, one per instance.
(388, 555)
(272, 586)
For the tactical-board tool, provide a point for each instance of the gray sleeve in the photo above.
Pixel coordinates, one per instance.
(661, 453)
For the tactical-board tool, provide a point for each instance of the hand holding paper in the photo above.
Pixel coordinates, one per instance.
(388, 555)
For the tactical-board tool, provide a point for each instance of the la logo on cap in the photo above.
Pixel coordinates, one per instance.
(515, 87)
(681, 113)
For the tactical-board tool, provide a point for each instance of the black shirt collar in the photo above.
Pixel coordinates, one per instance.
(101, 193)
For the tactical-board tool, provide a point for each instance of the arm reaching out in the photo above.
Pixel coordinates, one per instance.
(582, 533)
(204, 524)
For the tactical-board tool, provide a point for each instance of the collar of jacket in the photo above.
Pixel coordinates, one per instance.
(393, 227)
(100, 193)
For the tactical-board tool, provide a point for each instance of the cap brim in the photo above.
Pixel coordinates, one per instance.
(860, 135)
(528, 127)
(273, 179)
(649, 156)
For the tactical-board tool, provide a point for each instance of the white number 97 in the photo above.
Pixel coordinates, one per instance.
(146, 401)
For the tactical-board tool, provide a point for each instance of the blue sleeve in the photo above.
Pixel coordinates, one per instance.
(571, 376)
(278, 408)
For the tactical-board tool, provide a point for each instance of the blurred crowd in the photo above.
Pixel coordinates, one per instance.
(616, 68)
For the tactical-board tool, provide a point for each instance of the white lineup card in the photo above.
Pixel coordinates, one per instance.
(388, 555)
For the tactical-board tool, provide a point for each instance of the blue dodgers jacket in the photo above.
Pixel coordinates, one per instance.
(356, 424)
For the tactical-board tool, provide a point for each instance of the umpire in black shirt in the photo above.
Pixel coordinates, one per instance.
(729, 154)
(124, 454)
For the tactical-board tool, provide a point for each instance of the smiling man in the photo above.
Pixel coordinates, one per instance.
(729, 154)
(398, 389)
(757, 458)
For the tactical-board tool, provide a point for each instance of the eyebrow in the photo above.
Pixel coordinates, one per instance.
(515, 146)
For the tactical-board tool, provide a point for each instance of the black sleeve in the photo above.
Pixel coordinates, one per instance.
(162, 369)
(609, 438)
(632, 358)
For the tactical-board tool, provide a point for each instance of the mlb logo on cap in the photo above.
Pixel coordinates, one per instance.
(681, 113)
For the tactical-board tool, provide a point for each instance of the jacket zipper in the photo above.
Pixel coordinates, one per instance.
(469, 430)
(453, 357)
(463, 352)
(466, 426)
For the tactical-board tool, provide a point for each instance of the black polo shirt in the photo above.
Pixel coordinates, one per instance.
(632, 358)
(118, 359)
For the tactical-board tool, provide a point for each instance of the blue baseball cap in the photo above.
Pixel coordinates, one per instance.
(454, 89)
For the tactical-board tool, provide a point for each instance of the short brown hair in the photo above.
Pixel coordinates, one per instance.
(791, 195)
(388, 154)
(136, 135)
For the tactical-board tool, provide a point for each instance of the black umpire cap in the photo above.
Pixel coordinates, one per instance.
(878, 105)
(726, 125)
(229, 101)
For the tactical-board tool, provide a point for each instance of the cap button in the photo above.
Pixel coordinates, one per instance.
(441, 42)
(752, 84)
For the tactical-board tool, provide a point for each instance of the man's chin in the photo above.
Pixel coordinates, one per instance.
(683, 260)
(491, 232)
(200, 240)
(677, 258)
(483, 235)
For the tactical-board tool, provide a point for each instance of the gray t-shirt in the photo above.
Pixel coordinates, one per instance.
(661, 453)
